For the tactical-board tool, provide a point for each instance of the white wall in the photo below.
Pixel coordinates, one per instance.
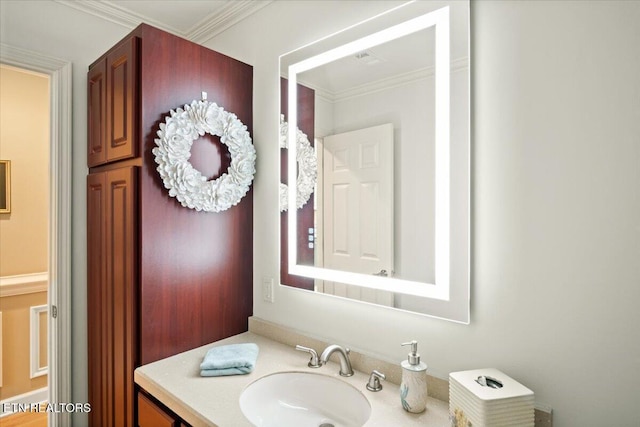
(555, 212)
(555, 180)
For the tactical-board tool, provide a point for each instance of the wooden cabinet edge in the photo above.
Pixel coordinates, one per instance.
(152, 413)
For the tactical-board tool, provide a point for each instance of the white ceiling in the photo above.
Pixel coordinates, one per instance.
(201, 20)
(408, 58)
(196, 20)
(392, 60)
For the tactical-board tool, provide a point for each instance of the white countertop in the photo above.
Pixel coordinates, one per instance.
(213, 401)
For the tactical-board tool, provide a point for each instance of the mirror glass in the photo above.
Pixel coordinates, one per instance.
(385, 104)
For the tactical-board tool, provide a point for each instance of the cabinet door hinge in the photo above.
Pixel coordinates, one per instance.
(54, 311)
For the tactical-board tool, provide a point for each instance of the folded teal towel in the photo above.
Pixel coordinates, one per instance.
(224, 372)
(232, 359)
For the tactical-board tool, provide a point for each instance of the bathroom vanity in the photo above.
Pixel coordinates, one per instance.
(176, 384)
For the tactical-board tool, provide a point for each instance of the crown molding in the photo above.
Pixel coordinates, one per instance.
(384, 84)
(114, 13)
(211, 25)
(229, 15)
(28, 61)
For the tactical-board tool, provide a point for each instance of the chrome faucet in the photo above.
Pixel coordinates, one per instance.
(343, 356)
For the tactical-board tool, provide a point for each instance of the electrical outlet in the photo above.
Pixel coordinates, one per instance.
(267, 289)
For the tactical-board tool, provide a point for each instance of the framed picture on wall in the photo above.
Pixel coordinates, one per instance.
(5, 186)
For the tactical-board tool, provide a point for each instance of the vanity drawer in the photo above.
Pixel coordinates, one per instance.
(151, 414)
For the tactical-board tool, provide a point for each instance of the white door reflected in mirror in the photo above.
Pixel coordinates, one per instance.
(357, 216)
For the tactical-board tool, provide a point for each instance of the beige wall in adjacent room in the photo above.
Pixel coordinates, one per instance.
(16, 370)
(24, 140)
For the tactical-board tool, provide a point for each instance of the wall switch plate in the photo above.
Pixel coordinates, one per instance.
(267, 289)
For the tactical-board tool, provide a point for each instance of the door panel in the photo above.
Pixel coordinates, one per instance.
(97, 106)
(358, 207)
(96, 283)
(112, 260)
(121, 254)
(358, 195)
(121, 101)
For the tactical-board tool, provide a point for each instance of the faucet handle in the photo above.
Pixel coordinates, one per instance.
(374, 381)
(313, 361)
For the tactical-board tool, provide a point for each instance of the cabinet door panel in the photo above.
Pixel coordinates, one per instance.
(112, 300)
(96, 282)
(97, 91)
(121, 279)
(122, 101)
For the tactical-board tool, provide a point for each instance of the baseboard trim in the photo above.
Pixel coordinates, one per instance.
(35, 396)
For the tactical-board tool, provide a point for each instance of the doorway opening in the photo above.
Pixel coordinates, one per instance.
(24, 257)
(57, 307)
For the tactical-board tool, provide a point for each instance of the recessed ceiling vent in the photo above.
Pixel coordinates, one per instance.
(366, 57)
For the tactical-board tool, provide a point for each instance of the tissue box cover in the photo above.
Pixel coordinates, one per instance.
(488, 397)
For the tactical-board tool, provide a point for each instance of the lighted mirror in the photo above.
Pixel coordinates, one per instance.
(386, 106)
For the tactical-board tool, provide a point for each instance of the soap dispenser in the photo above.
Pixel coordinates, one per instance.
(413, 389)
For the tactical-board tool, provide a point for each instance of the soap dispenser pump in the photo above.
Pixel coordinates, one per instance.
(413, 389)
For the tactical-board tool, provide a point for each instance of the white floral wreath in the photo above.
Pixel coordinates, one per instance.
(187, 184)
(307, 167)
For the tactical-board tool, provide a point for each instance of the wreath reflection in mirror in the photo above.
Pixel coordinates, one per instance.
(307, 167)
(192, 189)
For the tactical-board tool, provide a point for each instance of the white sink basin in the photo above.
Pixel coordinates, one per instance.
(300, 399)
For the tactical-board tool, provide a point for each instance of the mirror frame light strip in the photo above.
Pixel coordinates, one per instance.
(441, 289)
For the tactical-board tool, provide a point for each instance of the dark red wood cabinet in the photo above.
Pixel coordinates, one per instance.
(112, 108)
(162, 278)
(111, 293)
(306, 254)
(152, 413)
